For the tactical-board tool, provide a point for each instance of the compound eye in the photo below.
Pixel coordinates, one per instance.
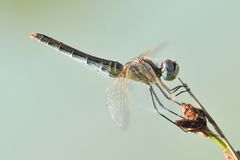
(169, 69)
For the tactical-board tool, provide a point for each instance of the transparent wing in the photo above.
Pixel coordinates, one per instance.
(117, 102)
(151, 52)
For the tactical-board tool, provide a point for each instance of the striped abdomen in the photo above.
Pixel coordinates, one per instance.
(106, 67)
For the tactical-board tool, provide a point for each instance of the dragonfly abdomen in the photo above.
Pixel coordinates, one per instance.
(106, 67)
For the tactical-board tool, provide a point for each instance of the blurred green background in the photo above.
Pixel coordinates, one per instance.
(53, 108)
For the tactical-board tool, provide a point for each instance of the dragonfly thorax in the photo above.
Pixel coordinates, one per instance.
(143, 70)
(146, 71)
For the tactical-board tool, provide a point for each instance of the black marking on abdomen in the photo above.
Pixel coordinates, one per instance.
(107, 67)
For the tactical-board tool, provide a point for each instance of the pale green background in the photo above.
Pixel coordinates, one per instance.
(52, 108)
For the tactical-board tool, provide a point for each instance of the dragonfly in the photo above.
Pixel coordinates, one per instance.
(140, 69)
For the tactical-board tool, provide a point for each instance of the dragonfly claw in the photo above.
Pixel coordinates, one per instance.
(175, 89)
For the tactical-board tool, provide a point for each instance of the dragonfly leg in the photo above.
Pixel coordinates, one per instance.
(188, 89)
(172, 92)
(168, 96)
(165, 86)
(153, 94)
(178, 87)
(175, 89)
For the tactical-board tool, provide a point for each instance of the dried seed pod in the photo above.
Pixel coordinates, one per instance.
(194, 119)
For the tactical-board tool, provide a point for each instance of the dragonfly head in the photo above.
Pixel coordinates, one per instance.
(169, 69)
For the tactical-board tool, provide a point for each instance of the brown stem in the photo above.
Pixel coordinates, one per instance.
(214, 124)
